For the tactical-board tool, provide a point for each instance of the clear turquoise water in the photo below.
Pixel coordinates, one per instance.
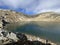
(47, 30)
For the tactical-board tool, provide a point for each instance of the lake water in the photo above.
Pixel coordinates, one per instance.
(46, 30)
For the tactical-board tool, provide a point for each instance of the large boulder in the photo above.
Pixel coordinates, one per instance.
(22, 37)
(10, 37)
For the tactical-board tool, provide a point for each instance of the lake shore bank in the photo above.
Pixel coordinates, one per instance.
(33, 38)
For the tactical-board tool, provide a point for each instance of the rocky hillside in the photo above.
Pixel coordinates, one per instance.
(48, 16)
(12, 16)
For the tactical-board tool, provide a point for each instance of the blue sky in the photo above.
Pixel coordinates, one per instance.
(31, 6)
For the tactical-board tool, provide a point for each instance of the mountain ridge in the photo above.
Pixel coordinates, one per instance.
(13, 16)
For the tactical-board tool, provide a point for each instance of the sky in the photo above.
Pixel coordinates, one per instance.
(31, 7)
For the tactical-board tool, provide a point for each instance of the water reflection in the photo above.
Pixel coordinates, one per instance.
(47, 30)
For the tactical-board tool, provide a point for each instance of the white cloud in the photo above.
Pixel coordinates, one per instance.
(36, 6)
(10, 3)
(1, 4)
(48, 5)
(49, 10)
(16, 3)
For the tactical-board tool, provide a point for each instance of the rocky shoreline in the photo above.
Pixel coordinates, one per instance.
(11, 38)
(33, 38)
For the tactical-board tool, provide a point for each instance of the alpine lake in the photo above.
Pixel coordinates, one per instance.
(42, 29)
